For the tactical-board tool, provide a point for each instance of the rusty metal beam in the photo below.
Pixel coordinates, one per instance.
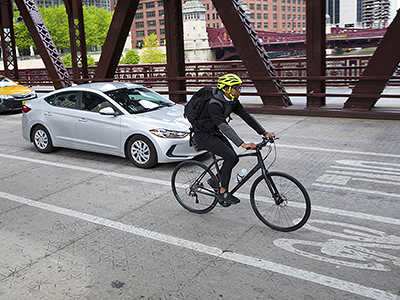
(45, 45)
(117, 34)
(383, 63)
(175, 49)
(315, 48)
(251, 51)
(8, 40)
(77, 40)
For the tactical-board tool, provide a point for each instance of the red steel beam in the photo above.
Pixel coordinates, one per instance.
(315, 48)
(251, 51)
(383, 63)
(8, 40)
(117, 34)
(77, 39)
(175, 49)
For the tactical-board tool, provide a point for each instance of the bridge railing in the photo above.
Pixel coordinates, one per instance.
(340, 71)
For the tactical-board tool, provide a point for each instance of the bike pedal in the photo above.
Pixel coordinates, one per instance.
(224, 203)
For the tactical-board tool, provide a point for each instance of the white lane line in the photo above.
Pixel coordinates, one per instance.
(376, 181)
(330, 282)
(339, 151)
(240, 195)
(365, 170)
(10, 122)
(84, 169)
(364, 174)
(358, 190)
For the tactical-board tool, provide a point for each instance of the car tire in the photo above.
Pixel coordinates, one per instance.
(141, 152)
(41, 139)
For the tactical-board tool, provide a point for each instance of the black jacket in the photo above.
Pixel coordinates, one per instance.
(213, 119)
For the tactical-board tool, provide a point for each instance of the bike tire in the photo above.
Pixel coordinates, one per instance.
(197, 197)
(289, 215)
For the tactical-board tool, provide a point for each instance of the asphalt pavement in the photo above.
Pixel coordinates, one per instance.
(79, 225)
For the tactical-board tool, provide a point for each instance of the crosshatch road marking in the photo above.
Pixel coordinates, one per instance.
(331, 282)
(380, 173)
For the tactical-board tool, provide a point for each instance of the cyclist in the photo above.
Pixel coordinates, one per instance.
(212, 128)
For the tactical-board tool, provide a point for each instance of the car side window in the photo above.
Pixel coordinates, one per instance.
(67, 100)
(94, 102)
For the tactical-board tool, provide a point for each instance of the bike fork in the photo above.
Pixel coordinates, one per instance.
(273, 189)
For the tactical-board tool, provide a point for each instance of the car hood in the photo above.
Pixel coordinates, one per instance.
(165, 117)
(14, 90)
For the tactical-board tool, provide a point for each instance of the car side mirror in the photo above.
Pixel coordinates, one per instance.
(108, 111)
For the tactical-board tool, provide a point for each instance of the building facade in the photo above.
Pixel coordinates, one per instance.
(286, 16)
(98, 3)
(362, 13)
(197, 48)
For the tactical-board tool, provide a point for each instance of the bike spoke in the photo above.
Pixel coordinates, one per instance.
(190, 187)
(287, 210)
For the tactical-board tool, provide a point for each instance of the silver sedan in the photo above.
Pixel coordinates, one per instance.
(113, 118)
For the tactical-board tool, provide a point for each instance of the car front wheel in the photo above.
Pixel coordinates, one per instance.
(142, 152)
(42, 140)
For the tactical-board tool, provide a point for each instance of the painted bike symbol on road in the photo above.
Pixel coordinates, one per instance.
(359, 247)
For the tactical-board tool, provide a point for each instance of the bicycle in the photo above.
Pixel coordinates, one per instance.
(279, 200)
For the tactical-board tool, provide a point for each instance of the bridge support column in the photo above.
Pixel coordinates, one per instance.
(77, 39)
(175, 49)
(8, 40)
(315, 47)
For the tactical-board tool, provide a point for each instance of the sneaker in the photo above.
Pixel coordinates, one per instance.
(228, 198)
(212, 183)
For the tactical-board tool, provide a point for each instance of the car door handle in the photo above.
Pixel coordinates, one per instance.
(82, 120)
(48, 114)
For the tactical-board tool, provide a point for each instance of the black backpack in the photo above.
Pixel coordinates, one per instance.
(196, 104)
(194, 108)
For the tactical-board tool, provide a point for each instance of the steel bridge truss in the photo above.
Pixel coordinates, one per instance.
(8, 40)
(259, 67)
(44, 43)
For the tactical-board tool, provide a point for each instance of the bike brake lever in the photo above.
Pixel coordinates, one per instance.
(272, 139)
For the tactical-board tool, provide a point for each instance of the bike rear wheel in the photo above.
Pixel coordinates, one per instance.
(191, 189)
(287, 210)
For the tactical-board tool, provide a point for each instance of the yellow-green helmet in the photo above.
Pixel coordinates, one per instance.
(228, 80)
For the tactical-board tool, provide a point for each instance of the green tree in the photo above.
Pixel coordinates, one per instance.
(151, 52)
(67, 60)
(56, 20)
(131, 57)
(23, 39)
(97, 22)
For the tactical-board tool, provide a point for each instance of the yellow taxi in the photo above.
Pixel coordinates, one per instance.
(13, 95)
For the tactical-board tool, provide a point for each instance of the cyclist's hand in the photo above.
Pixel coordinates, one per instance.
(249, 146)
(269, 134)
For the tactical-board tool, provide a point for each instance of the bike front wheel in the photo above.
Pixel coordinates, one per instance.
(191, 189)
(287, 208)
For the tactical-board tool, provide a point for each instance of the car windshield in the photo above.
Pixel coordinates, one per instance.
(139, 99)
(6, 82)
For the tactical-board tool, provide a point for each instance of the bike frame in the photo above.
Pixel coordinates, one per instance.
(260, 165)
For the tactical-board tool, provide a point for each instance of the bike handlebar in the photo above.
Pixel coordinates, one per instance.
(266, 140)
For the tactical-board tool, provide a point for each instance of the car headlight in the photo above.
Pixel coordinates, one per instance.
(165, 133)
(5, 97)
